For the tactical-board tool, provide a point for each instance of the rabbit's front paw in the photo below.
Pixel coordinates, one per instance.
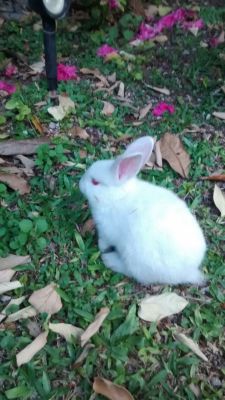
(113, 261)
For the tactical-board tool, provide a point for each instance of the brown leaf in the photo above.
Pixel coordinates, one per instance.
(214, 177)
(220, 115)
(151, 11)
(24, 313)
(76, 131)
(6, 275)
(17, 302)
(24, 356)
(108, 108)
(159, 90)
(37, 67)
(160, 38)
(121, 90)
(144, 111)
(158, 155)
(8, 286)
(181, 337)
(37, 124)
(83, 355)
(219, 200)
(46, 299)
(28, 164)
(111, 390)
(66, 105)
(96, 73)
(13, 260)
(14, 147)
(15, 182)
(157, 307)
(67, 331)
(94, 327)
(137, 7)
(88, 226)
(174, 153)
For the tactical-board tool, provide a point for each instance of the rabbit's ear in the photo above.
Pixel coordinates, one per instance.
(143, 146)
(133, 159)
(126, 167)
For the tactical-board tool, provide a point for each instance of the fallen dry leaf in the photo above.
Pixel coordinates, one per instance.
(7, 286)
(67, 331)
(16, 302)
(220, 115)
(173, 152)
(46, 299)
(144, 111)
(24, 356)
(155, 308)
(214, 177)
(108, 108)
(219, 200)
(28, 164)
(66, 105)
(76, 131)
(6, 275)
(38, 67)
(83, 355)
(159, 90)
(14, 147)
(88, 226)
(181, 337)
(25, 313)
(121, 90)
(15, 182)
(151, 11)
(111, 390)
(96, 73)
(94, 327)
(13, 261)
(37, 124)
(158, 155)
(160, 39)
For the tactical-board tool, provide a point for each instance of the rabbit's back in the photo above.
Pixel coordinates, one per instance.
(157, 237)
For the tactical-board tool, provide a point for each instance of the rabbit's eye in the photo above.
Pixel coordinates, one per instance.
(94, 182)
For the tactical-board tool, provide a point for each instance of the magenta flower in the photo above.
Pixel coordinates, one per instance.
(66, 72)
(7, 87)
(161, 108)
(113, 4)
(199, 24)
(180, 16)
(215, 41)
(10, 70)
(106, 50)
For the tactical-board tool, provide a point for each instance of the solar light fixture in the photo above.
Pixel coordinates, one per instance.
(50, 10)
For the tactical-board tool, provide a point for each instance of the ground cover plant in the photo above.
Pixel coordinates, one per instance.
(116, 84)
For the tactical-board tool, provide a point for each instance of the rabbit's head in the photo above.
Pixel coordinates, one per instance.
(106, 178)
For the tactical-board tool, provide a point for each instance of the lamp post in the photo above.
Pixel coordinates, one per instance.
(50, 11)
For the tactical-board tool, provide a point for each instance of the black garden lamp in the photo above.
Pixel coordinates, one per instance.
(50, 11)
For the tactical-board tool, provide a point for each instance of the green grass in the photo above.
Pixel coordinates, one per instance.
(142, 356)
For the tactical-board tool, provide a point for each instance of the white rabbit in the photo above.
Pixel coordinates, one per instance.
(145, 232)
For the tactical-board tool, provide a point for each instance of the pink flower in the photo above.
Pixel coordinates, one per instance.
(215, 41)
(10, 70)
(199, 24)
(7, 87)
(180, 16)
(105, 50)
(66, 72)
(113, 4)
(161, 108)
(146, 32)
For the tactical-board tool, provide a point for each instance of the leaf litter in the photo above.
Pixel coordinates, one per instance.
(25, 355)
(155, 308)
(219, 200)
(111, 390)
(94, 327)
(182, 338)
(173, 152)
(46, 299)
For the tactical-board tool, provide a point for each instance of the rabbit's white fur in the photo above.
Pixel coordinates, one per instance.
(145, 231)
